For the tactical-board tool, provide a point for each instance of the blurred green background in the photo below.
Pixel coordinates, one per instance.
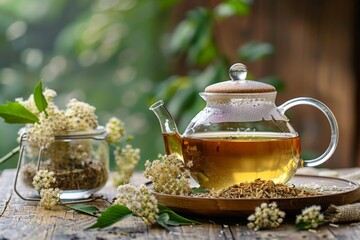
(119, 56)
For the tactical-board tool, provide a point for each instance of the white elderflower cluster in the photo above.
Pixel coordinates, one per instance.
(168, 175)
(116, 130)
(49, 94)
(42, 182)
(81, 116)
(50, 197)
(310, 218)
(266, 216)
(54, 120)
(78, 116)
(139, 201)
(43, 179)
(126, 161)
(43, 132)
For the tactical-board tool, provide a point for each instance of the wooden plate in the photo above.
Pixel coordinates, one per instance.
(222, 207)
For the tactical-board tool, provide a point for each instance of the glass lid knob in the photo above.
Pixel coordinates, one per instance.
(237, 72)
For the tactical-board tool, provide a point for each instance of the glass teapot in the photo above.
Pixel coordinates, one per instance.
(241, 135)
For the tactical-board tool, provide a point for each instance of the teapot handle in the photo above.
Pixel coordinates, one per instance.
(333, 125)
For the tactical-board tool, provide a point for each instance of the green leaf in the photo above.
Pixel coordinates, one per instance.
(194, 37)
(168, 88)
(111, 215)
(14, 112)
(202, 48)
(198, 190)
(302, 226)
(174, 219)
(255, 51)
(182, 36)
(163, 220)
(87, 209)
(232, 7)
(39, 98)
(308, 225)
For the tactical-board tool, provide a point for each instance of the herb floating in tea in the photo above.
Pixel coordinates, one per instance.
(261, 189)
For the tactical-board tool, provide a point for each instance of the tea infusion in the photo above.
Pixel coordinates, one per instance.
(223, 159)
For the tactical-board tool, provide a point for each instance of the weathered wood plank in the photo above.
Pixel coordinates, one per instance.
(6, 183)
(21, 219)
(26, 220)
(285, 231)
(346, 231)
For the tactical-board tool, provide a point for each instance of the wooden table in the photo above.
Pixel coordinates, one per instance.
(26, 220)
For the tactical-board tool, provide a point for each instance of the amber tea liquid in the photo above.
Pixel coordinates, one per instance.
(220, 161)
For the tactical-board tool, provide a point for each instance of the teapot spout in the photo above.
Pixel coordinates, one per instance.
(171, 136)
(166, 121)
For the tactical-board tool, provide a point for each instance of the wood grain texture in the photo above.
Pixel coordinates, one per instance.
(314, 46)
(26, 220)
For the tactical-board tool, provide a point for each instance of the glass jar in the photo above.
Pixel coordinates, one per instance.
(80, 161)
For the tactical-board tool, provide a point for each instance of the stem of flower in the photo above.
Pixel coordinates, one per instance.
(10, 154)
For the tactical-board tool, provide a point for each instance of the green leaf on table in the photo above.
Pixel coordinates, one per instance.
(87, 209)
(302, 226)
(163, 220)
(255, 51)
(111, 215)
(39, 98)
(14, 112)
(309, 225)
(199, 190)
(170, 218)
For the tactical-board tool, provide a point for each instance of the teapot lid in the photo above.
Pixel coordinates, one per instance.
(239, 84)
